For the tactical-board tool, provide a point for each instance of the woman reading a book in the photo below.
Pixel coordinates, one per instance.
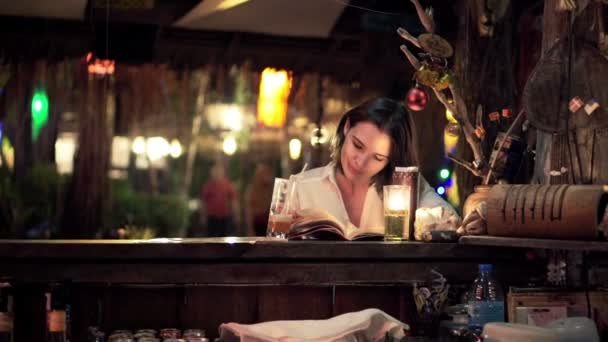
(370, 141)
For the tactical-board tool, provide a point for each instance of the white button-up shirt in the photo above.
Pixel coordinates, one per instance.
(317, 188)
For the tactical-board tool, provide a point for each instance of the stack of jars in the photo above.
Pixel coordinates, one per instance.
(149, 335)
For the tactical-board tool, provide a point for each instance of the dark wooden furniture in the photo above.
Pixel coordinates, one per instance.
(201, 283)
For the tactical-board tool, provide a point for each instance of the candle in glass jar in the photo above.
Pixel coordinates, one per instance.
(396, 212)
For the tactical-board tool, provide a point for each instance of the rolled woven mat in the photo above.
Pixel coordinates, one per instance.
(561, 211)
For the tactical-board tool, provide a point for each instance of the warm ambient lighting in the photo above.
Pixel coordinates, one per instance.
(229, 145)
(227, 4)
(100, 66)
(157, 148)
(318, 136)
(272, 102)
(233, 119)
(396, 203)
(139, 145)
(450, 116)
(120, 152)
(65, 147)
(451, 135)
(175, 149)
(8, 151)
(295, 149)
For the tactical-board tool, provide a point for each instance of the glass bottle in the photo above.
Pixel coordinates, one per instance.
(95, 335)
(6, 312)
(486, 301)
(98, 336)
(56, 314)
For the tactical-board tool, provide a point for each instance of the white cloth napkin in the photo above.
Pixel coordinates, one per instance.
(366, 325)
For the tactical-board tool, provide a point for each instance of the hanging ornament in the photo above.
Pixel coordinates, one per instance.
(416, 98)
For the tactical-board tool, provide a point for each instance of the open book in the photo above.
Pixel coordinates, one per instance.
(318, 224)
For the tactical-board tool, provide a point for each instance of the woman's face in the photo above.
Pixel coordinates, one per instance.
(365, 151)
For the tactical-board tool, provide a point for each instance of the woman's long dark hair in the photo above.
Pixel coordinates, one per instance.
(394, 120)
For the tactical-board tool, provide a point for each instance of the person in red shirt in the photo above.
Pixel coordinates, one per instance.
(220, 199)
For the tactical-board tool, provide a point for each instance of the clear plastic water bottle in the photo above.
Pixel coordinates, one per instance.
(486, 301)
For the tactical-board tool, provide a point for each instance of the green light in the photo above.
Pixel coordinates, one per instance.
(444, 173)
(37, 105)
(40, 112)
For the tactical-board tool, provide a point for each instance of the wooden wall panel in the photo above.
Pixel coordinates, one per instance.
(599, 312)
(140, 308)
(206, 307)
(356, 298)
(30, 313)
(86, 303)
(294, 302)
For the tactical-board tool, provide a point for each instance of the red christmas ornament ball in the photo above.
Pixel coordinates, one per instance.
(416, 99)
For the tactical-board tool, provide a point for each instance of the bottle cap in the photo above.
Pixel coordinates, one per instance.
(485, 267)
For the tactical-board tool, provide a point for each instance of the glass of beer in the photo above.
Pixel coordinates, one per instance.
(278, 225)
(279, 220)
(396, 212)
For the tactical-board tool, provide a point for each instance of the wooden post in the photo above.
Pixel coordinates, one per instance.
(89, 187)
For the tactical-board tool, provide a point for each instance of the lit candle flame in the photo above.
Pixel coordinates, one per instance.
(396, 201)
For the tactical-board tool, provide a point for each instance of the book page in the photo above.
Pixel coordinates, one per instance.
(354, 233)
(317, 214)
(315, 223)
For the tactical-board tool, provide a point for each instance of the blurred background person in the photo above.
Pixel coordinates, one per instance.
(257, 200)
(220, 200)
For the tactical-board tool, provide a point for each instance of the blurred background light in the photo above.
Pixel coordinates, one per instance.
(40, 112)
(272, 101)
(233, 119)
(319, 136)
(295, 148)
(157, 148)
(120, 152)
(65, 147)
(175, 149)
(229, 145)
(139, 145)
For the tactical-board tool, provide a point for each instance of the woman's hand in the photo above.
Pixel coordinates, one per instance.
(475, 222)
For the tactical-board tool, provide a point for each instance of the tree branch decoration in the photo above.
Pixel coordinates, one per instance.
(432, 71)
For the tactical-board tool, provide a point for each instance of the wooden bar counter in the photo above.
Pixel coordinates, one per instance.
(200, 283)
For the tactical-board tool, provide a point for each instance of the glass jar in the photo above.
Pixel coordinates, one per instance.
(148, 339)
(194, 333)
(139, 334)
(170, 333)
(121, 336)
